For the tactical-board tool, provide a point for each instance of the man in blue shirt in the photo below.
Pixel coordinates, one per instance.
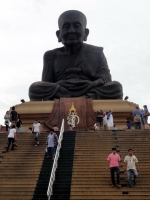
(137, 118)
(52, 141)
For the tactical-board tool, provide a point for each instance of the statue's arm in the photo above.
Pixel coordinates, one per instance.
(103, 73)
(48, 67)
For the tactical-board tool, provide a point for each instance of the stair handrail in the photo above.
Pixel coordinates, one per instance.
(55, 163)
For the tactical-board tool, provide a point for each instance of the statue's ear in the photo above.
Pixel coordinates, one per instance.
(86, 34)
(58, 35)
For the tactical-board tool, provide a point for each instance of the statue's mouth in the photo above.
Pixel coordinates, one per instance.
(72, 37)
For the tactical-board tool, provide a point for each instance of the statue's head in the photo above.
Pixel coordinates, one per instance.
(72, 28)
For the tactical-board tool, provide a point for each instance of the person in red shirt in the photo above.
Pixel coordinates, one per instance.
(113, 163)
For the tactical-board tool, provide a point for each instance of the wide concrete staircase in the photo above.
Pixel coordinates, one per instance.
(24, 172)
(90, 178)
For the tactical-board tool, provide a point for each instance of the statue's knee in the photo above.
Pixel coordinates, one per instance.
(116, 84)
(119, 86)
(34, 85)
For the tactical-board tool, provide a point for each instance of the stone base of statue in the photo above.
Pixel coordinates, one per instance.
(51, 113)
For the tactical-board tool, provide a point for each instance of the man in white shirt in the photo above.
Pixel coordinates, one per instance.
(105, 121)
(131, 166)
(36, 131)
(52, 141)
(11, 138)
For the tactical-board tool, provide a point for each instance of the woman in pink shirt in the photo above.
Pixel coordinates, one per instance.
(113, 162)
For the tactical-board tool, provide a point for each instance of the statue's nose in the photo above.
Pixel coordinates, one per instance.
(71, 29)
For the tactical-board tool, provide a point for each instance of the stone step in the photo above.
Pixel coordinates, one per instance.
(18, 197)
(107, 186)
(99, 158)
(5, 161)
(107, 190)
(19, 173)
(21, 176)
(100, 173)
(16, 185)
(79, 163)
(106, 181)
(113, 193)
(23, 192)
(23, 180)
(111, 197)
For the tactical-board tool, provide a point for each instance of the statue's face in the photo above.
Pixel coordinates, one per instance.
(72, 29)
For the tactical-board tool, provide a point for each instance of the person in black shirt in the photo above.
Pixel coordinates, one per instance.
(18, 123)
(14, 116)
(99, 117)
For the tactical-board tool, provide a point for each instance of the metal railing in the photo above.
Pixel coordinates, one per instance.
(55, 163)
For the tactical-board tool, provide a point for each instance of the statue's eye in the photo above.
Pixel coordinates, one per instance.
(77, 25)
(66, 26)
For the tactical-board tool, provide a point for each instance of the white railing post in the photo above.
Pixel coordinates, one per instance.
(55, 163)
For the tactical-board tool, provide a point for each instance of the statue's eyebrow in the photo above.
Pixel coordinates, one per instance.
(68, 23)
(65, 23)
(77, 22)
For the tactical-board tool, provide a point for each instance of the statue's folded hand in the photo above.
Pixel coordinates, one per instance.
(79, 85)
(60, 82)
(98, 82)
(65, 83)
(86, 84)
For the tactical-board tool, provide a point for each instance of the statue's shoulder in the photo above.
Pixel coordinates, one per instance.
(92, 48)
(52, 52)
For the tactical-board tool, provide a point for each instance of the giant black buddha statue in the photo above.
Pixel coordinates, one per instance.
(76, 69)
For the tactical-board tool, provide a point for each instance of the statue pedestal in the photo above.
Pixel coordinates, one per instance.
(50, 113)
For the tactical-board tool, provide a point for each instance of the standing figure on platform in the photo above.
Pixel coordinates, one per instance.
(14, 116)
(105, 123)
(145, 117)
(18, 123)
(36, 131)
(7, 120)
(131, 167)
(99, 118)
(113, 163)
(137, 118)
(110, 120)
(76, 69)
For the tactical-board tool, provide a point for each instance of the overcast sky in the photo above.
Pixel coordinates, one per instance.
(27, 30)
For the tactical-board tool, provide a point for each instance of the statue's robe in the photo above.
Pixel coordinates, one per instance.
(76, 72)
